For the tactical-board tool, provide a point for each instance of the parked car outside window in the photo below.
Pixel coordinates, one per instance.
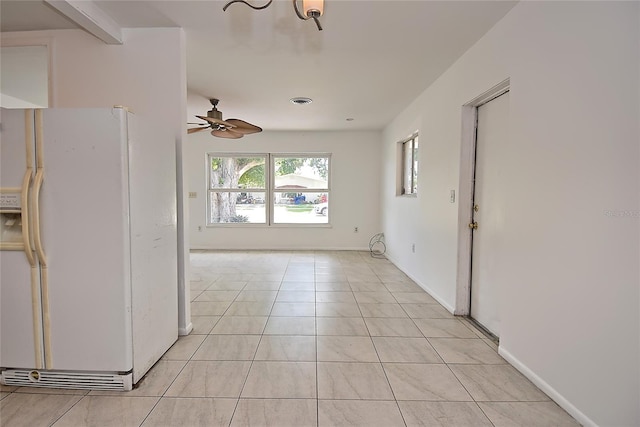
(321, 208)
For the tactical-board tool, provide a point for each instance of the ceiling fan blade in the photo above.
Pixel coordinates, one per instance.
(193, 130)
(244, 127)
(226, 133)
(216, 121)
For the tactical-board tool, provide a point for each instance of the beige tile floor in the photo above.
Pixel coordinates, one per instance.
(308, 339)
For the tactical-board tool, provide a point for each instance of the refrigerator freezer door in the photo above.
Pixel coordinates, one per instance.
(17, 338)
(85, 233)
(20, 311)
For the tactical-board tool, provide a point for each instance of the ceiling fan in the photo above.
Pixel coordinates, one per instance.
(230, 128)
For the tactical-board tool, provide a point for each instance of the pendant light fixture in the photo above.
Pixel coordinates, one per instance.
(311, 9)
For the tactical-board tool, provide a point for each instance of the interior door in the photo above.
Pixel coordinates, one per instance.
(489, 198)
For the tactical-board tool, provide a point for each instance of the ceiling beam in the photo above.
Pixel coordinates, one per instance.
(89, 16)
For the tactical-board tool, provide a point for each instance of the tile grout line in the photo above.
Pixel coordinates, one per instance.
(315, 321)
(190, 359)
(485, 414)
(386, 376)
(70, 408)
(233, 414)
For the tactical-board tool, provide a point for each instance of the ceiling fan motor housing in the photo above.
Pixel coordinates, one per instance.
(215, 113)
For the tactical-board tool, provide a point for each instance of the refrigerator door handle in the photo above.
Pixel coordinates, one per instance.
(37, 186)
(36, 217)
(44, 280)
(29, 252)
(24, 209)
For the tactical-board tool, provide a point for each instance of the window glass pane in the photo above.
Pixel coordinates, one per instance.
(414, 176)
(298, 173)
(410, 166)
(237, 172)
(308, 207)
(407, 162)
(237, 207)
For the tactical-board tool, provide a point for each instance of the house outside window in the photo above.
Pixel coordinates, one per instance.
(268, 189)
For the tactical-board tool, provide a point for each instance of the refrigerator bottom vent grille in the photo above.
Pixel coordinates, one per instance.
(65, 379)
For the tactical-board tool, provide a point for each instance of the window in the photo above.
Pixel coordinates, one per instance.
(410, 165)
(300, 189)
(268, 189)
(237, 189)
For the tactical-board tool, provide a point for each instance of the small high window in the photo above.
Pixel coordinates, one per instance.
(410, 165)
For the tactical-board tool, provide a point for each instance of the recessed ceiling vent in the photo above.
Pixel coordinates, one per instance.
(301, 100)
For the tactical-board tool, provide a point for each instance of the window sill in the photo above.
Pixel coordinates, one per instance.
(245, 225)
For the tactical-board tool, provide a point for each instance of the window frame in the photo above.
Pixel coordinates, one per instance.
(211, 189)
(412, 175)
(273, 190)
(269, 189)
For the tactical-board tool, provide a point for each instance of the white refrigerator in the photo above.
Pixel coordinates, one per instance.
(88, 250)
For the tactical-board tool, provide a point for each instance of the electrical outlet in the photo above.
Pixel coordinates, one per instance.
(413, 248)
(355, 229)
(193, 194)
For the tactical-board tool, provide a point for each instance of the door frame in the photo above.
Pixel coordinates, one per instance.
(465, 193)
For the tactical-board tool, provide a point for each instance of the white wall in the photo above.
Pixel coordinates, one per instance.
(354, 195)
(569, 284)
(147, 73)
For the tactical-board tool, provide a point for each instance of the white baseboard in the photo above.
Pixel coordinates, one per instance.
(545, 387)
(532, 376)
(422, 285)
(210, 248)
(186, 330)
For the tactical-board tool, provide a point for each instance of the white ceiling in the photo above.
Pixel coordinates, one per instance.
(370, 61)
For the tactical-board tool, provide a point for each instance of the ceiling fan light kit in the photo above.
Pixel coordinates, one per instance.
(230, 128)
(311, 9)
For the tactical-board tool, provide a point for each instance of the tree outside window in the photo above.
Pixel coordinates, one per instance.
(233, 181)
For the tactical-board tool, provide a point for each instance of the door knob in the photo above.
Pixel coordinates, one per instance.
(473, 225)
